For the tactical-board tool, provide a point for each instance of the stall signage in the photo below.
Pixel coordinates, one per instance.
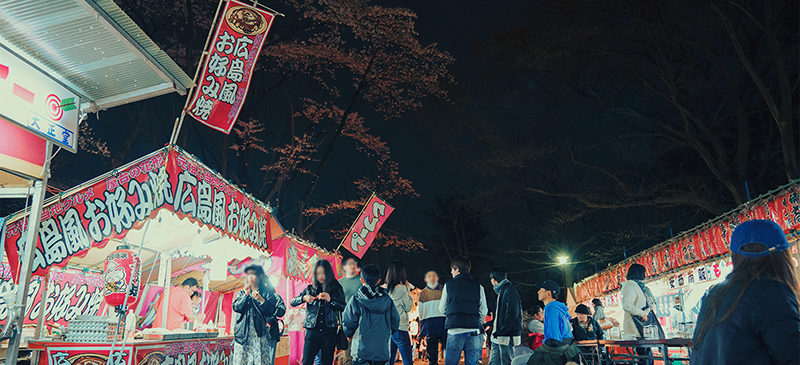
(89, 355)
(37, 102)
(700, 245)
(70, 294)
(363, 232)
(214, 351)
(108, 209)
(300, 259)
(229, 65)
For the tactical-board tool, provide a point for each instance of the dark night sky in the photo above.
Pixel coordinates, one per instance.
(523, 109)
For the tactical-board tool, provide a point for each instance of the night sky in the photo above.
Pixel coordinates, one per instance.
(548, 140)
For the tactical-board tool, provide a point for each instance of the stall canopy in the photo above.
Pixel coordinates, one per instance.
(88, 55)
(702, 243)
(93, 47)
(145, 202)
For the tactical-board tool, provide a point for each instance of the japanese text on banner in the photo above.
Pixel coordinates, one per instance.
(232, 56)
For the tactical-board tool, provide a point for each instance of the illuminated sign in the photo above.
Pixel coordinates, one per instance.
(35, 101)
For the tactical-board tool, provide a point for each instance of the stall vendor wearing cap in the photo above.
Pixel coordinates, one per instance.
(558, 347)
(179, 307)
(752, 317)
(584, 327)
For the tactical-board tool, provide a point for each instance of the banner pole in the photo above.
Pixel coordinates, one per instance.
(176, 128)
(354, 222)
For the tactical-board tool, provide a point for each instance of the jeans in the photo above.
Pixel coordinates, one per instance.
(469, 343)
(501, 354)
(433, 347)
(322, 341)
(401, 341)
(273, 344)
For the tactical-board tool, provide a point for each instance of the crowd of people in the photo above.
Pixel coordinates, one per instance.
(750, 318)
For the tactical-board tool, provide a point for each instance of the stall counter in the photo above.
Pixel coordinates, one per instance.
(207, 351)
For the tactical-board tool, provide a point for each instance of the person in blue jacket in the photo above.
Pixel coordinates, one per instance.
(558, 347)
(752, 317)
(370, 319)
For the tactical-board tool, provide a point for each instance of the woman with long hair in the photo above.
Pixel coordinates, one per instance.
(752, 317)
(324, 300)
(639, 303)
(398, 286)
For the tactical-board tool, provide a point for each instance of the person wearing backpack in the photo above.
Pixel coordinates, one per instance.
(370, 319)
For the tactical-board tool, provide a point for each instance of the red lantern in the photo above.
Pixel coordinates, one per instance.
(122, 271)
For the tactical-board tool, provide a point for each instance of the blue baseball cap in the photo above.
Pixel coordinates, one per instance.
(761, 231)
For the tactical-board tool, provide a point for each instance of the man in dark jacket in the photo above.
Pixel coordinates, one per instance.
(464, 304)
(507, 329)
(370, 319)
(584, 327)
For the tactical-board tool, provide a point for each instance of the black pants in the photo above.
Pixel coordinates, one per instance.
(644, 351)
(322, 341)
(433, 347)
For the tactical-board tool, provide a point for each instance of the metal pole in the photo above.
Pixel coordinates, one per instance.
(40, 320)
(40, 188)
(176, 128)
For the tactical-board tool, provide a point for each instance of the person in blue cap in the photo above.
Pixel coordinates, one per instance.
(752, 317)
(558, 347)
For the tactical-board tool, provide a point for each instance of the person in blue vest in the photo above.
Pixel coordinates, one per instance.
(464, 305)
(752, 317)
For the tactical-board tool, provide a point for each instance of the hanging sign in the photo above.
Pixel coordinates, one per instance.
(168, 179)
(38, 103)
(300, 259)
(363, 232)
(229, 65)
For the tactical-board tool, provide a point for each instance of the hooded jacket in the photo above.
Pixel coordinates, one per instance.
(763, 329)
(328, 310)
(370, 318)
(508, 317)
(556, 322)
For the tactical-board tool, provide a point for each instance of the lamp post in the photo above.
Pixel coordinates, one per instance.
(563, 261)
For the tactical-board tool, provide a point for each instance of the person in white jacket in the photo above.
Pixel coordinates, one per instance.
(399, 291)
(638, 304)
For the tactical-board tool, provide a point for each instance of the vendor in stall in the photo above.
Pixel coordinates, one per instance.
(179, 307)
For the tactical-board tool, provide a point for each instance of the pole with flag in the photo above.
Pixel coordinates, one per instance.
(225, 69)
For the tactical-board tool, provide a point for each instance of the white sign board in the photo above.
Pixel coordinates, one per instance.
(37, 102)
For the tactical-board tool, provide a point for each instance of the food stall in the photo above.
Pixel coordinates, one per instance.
(681, 270)
(181, 219)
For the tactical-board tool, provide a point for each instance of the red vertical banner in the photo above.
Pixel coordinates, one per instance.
(364, 230)
(229, 64)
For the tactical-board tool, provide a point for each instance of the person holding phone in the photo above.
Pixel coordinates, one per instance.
(324, 301)
(258, 307)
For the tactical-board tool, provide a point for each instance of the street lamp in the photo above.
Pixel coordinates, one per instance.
(562, 261)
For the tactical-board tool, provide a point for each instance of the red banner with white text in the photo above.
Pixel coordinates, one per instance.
(123, 200)
(70, 294)
(700, 244)
(363, 232)
(232, 55)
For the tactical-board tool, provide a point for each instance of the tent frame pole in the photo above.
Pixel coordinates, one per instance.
(34, 218)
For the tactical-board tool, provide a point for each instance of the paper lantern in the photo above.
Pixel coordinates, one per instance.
(122, 274)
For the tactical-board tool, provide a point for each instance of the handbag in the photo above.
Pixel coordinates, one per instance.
(342, 343)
